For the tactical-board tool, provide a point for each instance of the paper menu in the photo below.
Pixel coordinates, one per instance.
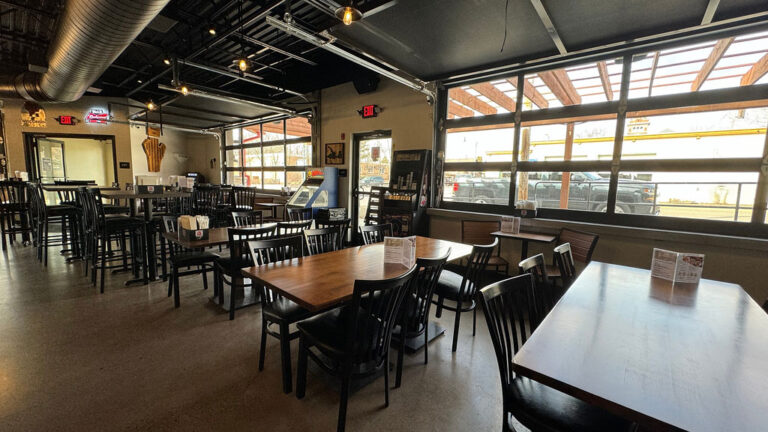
(510, 224)
(400, 250)
(193, 222)
(677, 267)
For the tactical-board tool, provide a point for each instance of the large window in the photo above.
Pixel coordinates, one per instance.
(269, 156)
(673, 138)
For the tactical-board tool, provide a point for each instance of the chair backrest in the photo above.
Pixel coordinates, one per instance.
(415, 309)
(321, 240)
(508, 306)
(564, 262)
(12, 193)
(242, 218)
(170, 224)
(545, 300)
(341, 225)
(205, 199)
(238, 240)
(274, 250)
(292, 228)
(299, 214)
(582, 243)
(478, 232)
(373, 312)
(243, 198)
(375, 233)
(473, 271)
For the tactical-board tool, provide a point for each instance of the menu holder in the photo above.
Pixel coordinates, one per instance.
(510, 225)
(400, 250)
(193, 228)
(677, 267)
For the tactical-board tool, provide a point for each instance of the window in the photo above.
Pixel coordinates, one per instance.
(667, 161)
(271, 155)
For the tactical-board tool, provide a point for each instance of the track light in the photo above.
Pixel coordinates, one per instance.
(349, 14)
(151, 105)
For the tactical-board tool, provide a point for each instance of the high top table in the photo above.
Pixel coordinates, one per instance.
(671, 357)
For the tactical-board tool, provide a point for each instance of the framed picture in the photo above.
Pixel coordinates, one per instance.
(334, 153)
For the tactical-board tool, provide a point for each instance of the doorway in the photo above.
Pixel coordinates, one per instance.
(53, 158)
(372, 160)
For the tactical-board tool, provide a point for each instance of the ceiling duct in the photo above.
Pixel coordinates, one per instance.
(90, 36)
(327, 45)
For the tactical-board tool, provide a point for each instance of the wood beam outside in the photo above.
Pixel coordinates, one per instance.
(462, 96)
(533, 95)
(718, 50)
(497, 96)
(755, 72)
(561, 86)
(458, 110)
(605, 79)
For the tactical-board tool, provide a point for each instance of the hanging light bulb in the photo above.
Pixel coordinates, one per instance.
(242, 64)
(151, 105)
(167, 61)
(212, 30)
(348, 14)
(184, 89)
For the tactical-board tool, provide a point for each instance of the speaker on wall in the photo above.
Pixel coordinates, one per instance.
(366, 83)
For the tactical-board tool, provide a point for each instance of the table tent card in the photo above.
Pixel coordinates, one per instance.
(510, 224)
(677, 267)
(400, 250)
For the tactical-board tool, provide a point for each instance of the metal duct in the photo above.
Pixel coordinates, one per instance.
(90, 36)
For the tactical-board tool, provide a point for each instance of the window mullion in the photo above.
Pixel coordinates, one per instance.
(618, 140)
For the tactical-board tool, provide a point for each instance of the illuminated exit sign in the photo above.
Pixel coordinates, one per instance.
(369, 111)
(66, 120)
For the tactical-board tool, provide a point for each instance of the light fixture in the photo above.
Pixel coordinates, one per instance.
(139, 81)
(349, 13)
(242, 64)
(212, 30)
(151, 105)
(184, 89)
(167, 61)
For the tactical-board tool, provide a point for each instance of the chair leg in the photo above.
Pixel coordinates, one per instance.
(285, 353)
(439, 311)
(456, 327)
(103, 264)
(205, 277)
(386, 381)
(345, 382)
(426, 342)
(170, 285)
(474, 321)
(232, 300)
(301, 370)
(263, 345)
(400, 350)
(175, 278)
(2, 230)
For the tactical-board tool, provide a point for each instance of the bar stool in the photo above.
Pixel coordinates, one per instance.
(13, 212)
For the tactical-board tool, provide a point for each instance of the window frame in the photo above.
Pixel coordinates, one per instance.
(619, 108)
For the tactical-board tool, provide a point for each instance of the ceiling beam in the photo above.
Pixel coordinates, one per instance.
(605, 79)
(275, 49)
(533, 95)
(466, 99)
(561, 86)
(549, 25)
(717, 53)
(458, 110)
(709, 13)
(497, 96)
(755, 72)
(23, 6)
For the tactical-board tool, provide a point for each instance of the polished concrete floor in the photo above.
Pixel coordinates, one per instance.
(72, 359)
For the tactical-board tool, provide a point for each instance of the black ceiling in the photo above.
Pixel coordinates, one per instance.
(427, 38)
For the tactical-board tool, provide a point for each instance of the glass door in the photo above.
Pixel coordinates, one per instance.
(373, 160)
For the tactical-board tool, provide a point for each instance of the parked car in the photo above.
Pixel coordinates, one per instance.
(587, 191)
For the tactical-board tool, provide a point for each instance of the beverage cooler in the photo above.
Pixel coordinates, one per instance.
(320, 190)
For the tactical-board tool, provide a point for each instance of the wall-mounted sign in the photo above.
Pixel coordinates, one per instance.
(334, 153)
(343, 172)
(97, 116)
(369, 111)
(66, 120)
(32, 115)
(125, 165)
(155, 150)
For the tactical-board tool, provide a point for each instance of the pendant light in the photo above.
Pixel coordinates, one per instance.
(151, 105)
(349, 13)
(242, 62)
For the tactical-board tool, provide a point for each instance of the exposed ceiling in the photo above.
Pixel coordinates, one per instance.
(427, 39)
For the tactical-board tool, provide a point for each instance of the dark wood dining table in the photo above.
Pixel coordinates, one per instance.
(322, 281)
(670, 357)
(525, 237)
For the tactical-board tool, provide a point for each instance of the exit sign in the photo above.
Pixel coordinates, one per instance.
(369, 111)
(66, 120)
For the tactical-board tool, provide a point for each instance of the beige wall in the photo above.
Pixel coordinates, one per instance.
(88, 159)
(13, 129)
(405, 112)
(737, 260)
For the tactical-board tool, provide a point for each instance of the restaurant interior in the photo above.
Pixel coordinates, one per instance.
(384, 215)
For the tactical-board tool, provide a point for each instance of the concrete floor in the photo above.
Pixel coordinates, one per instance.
(74, 360)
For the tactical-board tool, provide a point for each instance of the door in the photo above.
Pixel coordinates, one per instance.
(50, 160)
(372, 154)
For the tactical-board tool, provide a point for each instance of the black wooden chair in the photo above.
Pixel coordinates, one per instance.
(244, 218)
(292, 228)
(180, 258)
(582, 246)
(563, 258)
(461, 289)
(13, 212)
(414, 314)
(545, 298)
(321, 240)
(239, 257)
(341, 225)
(507, 306)
(354, 340)
(44, 215)
(277, 310)
(375, 233)
(299, 214)
(479, 232)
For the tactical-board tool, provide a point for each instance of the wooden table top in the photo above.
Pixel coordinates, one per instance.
(56, 188)
(268, 204)
(321, 281)
(683, 356)
(216, 237)
(121, 194)
(535, 237)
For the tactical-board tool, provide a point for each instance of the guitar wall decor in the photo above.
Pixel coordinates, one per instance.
(154, 150)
